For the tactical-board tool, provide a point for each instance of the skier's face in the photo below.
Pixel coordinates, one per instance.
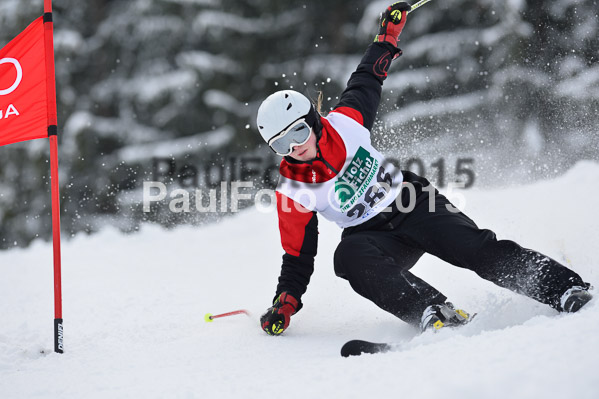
(306, 151)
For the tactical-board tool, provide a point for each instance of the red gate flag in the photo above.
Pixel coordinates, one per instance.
(23, 87)
(28, 111)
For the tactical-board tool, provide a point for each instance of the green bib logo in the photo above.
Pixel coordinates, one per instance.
(355, 180)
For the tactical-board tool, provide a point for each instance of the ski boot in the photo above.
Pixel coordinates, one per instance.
(436, 317)
(574, 299)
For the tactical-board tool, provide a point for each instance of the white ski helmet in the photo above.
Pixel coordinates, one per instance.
(281, 109)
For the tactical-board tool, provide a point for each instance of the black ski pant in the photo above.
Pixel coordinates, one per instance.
(376, 257)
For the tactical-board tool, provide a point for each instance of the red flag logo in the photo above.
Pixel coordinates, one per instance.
(23, 98)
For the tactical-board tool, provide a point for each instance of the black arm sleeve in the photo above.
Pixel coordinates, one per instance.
(363, 92)
(296, 270)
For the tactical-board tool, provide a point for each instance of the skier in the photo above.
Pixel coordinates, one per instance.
(330, 167)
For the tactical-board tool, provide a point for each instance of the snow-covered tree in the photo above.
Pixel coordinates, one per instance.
(143, 84)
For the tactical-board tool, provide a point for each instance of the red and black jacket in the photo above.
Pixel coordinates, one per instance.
(299, 226)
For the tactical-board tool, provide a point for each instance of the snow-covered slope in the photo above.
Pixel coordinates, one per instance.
(134, 307)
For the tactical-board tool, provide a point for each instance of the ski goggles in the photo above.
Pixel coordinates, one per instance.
(295, 134)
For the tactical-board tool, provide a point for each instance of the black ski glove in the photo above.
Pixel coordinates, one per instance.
(392, 22)
(277, 318)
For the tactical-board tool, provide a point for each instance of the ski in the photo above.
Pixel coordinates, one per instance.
(357, 347)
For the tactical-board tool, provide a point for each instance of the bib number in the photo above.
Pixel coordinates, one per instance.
(375, 194)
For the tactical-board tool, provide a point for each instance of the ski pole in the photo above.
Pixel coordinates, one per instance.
(418, 5)
(210, 318)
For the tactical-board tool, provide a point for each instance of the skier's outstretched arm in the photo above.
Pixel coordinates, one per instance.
(361, 98)
(299, 236)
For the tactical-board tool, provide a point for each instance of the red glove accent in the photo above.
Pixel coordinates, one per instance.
(392, 22)
(277, 318)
